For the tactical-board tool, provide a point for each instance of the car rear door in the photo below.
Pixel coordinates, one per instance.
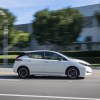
(36, 62)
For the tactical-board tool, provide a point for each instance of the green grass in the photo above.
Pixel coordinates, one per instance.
(96, 65)
(8, 56)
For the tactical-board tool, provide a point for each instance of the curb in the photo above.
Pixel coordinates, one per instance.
(7, 73)
(6, 66)
(95, 67)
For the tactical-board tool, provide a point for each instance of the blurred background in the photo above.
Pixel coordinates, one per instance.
(71, 27)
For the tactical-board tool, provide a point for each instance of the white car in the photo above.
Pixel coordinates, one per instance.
(46, 62)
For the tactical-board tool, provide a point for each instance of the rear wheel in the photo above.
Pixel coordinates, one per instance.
(23, 72)
(72, 73)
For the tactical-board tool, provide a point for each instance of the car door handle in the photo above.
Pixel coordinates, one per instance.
(28, 60)
(46, 61)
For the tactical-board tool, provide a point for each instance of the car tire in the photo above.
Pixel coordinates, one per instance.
(23, 72)
(72, 73)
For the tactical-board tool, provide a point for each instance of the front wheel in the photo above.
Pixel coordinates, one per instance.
(23, 72)
(72, 73)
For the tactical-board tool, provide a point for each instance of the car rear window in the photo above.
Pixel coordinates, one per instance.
(36, 55)
(22, 54)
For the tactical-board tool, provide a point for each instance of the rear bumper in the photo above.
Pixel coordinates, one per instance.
(15, 67)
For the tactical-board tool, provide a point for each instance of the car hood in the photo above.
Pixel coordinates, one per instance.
(80, 61)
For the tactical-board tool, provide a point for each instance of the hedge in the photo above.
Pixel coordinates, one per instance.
(9, 60)
(92, 57)
(14, 52)
(82, 53)
(68, 53)
(92, 60)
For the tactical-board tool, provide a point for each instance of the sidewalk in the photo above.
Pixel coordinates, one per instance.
(7, 71)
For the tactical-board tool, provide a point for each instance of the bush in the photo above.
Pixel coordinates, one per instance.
(9, 61)
(82, 53)
(68, 53)
(14, 52)
(92, 57)
(1, 60)
(92, 60)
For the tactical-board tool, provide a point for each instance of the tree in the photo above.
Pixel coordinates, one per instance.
(59, 27)
(10, 18)
(21, 39)
(15, 37)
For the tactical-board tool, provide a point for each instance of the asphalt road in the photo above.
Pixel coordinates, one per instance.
(48, 88)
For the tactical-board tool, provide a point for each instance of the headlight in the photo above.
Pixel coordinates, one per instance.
(84, 64)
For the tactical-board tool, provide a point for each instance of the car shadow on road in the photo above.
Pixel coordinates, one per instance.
(38, 77)
(52, 78)
(9, 77)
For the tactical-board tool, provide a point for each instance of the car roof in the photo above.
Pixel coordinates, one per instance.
(39, 51)
(45, 51)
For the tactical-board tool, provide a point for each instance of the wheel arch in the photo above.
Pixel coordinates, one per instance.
(24, 67)
(72, 67)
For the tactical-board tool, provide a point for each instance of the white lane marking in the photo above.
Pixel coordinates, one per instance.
(49, 97)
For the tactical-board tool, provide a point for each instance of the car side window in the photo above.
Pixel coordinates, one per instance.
(49, 56)
(53, 56)
(36, 55)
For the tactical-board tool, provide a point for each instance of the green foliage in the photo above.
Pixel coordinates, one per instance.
(15, 37)
(6, 18)
(82, 53)
(92, 57)
(57, 27)
(15, 52)
(22, 39)
(9, 61)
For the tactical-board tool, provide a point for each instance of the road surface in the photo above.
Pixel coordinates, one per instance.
(48, 88)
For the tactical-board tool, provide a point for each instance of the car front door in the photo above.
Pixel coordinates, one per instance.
(54, 64)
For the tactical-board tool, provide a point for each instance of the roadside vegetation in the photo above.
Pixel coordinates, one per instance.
(59, 27)
(92, 57)
(15, 37)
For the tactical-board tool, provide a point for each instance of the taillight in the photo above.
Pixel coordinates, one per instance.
(18, 59)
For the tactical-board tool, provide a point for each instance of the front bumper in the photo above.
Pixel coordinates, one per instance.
(88, 71)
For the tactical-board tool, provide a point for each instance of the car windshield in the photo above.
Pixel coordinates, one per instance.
(65, 55)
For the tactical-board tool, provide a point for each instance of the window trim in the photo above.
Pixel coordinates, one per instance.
(34, 53)
(60, 56)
